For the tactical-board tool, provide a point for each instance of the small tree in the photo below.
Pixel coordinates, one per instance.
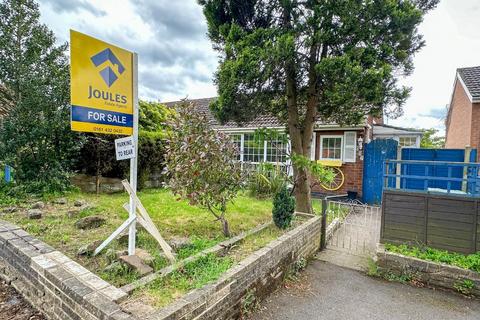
(283, 208)
(431, 141)
(202, 164)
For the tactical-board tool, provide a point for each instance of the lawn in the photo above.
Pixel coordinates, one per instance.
(173, 218)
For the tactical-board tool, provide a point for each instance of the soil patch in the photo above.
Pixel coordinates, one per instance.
(14, 307)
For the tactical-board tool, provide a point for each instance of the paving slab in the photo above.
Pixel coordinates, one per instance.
(326, 291)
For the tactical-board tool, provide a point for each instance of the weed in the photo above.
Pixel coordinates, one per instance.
(193, 275)
(249, 303)
(296, 268)
(373, 270)
(471, 262)
(465, 287)
(393, 277)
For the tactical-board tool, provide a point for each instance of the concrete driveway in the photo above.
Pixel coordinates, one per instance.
(327, 291)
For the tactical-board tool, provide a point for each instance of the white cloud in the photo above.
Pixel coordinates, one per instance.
(451, 34)
(176, 58)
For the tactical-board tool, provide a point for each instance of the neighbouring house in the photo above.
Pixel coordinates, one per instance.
(408, 138)
(463, 119)
(342, 145)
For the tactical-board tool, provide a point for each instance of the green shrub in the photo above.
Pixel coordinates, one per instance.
(283, 208)
(266, 181)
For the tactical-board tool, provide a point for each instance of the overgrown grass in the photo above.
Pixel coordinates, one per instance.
(193, 275)
(172, 217)
(205, 270)
(471, 261)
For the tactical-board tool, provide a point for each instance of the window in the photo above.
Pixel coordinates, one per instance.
(407, 141)
(237, 141)
(331, 147)
(277, 150)
(253, 149)
(350, 146)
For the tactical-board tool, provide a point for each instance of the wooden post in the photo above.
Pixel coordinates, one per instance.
(398, 171)
(468, 151)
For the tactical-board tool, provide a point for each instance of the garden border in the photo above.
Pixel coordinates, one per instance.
(249, 281)
(428, 272)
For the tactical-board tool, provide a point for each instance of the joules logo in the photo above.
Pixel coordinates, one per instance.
(108, 74)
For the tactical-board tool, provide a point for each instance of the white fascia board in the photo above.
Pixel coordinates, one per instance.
(325, 127)
(465, 89)
(241, 130)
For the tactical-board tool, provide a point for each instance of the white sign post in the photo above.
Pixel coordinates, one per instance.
(134, 161)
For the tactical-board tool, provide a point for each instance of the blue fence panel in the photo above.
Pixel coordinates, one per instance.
(446, 155)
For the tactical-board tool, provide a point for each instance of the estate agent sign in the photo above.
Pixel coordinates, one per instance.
(104, 98)
(101, 86)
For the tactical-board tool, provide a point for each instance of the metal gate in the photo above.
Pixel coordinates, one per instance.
(353, 227)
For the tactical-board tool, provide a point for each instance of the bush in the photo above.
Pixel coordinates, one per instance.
(202, 164)
(266, 181)
(101, 160)
(283, 208)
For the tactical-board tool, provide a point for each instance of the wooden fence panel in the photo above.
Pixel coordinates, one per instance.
(439, 221)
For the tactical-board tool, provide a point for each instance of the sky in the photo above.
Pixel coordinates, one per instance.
(176, 59)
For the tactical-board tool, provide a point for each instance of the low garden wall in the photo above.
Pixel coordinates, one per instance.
(62, 289)
(249, 281)
(53, 283)
(428, 272)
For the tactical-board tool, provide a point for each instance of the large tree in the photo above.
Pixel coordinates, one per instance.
(35, 136)
(307, 60)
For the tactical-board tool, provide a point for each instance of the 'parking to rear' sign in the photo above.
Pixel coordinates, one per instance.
(125, 148)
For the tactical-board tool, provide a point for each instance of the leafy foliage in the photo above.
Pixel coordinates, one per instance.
(431, 140)
(153, 118)
(303, 61)
(266, 180)
(283, 208)
(35, 136)
(471, 261)
(202, 164)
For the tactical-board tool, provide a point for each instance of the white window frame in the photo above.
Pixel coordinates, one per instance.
(354, 147)
(415, 145)
(330, 137)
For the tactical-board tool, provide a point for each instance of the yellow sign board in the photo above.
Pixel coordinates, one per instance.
(101, 86)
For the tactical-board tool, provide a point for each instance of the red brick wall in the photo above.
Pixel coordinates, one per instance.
(353, 171)
(475, 128)
(459, 131)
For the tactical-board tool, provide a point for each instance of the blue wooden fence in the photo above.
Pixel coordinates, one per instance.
(461, 178)
(435, 169)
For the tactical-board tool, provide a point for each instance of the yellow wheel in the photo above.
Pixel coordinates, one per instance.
(337, 182)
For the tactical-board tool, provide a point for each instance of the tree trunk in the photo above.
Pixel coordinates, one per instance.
(225, 227)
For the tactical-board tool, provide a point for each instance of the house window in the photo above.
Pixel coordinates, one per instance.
(237, 141)
(331, 147)
(277, 150)
(407, 141)
(253, 148)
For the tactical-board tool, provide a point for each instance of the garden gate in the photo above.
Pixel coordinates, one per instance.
(376, 152)
(354, 227)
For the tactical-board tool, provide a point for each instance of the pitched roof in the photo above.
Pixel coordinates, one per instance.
(202, 106)
(471, 79)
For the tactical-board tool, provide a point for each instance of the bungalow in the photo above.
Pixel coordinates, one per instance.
(339, 146)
